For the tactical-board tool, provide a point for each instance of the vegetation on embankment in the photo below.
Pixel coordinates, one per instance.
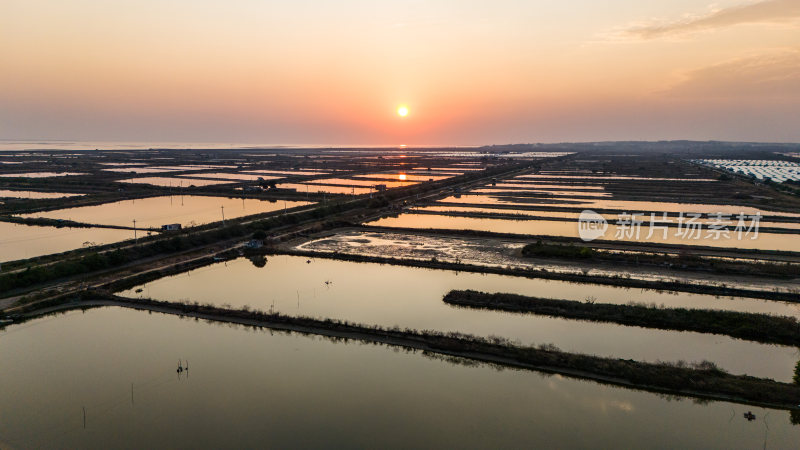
(683, 260)
(541, 273)
(700, 380)
(754, 327)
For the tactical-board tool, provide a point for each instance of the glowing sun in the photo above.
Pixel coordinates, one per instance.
(402, 111)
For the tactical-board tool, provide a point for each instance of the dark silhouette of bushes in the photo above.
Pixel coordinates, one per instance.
(755, 327)
(557, 251)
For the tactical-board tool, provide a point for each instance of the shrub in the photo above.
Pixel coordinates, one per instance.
(796, 378)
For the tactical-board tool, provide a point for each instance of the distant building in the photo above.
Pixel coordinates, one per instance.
(380, 187)
(171, 227)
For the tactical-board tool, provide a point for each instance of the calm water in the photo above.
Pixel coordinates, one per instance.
(312, 188)
(33, 194)
(622, 205)
(173, 182)
(764, 241)
(402, 176)
(255, 389)
(26, 241)
(363, 183)
(233, 176)
(572, 215)
(543, 192)
(40, 174)
(156, 211)
(143, 169)
(383, 295)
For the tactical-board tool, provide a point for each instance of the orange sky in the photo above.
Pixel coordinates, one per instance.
(334, 72)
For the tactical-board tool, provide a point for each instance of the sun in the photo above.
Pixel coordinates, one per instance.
(402, 110)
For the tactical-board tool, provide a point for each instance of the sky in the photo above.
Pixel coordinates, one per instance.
(471, 72)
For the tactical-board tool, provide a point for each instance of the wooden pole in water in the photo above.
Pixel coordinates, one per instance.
(223, 215)
(84, 417)
(131, 394)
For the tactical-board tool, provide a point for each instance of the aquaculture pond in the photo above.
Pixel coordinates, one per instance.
(620, 205)
(531, 211)
(507, 252)
(40, 174)
(153, 212)
(256, 388)
(382, 294)
(233, 176)
(402, 176)
(312, 188)
(173, 182)
(143, 169)
(763, 241)
(5, 193)
(28, 241)
(366, 183)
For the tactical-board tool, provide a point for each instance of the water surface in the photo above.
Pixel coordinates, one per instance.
(412, 297)
(27, 241)
(255, 389)
(153, 212)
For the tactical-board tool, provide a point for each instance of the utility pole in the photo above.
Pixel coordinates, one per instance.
(134, 231)
(223, 215)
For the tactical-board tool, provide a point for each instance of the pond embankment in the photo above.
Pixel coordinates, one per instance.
(750, 326)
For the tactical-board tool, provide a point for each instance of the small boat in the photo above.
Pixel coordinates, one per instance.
(180, 367)
(749, 416)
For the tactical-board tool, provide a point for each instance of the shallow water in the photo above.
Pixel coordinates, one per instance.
(305, 172)
(608, 177)
(412, 297)
(622, 205)
(27, 241)
(764, 241)
(502, 252)
(536, 185)
(232, 176)
(542, 192)
(354, 182)
(143, 169)
(33, 194)
(255, 389)
(402, 176)
(40, 174)
(572, 215)
(172, 182)
(154, 212)
(312, 188)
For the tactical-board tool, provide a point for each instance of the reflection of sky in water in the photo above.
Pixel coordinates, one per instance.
(267, 389)
(496, 253)
(764, 241)
(411, 297)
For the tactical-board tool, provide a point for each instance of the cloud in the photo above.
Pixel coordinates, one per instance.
(768, 11)
(774, 75)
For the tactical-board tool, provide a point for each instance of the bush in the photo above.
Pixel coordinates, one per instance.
(796, 378)
(557, 251)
